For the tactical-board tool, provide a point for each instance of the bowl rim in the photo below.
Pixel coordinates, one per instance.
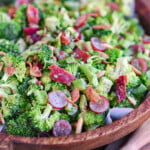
(97, 137)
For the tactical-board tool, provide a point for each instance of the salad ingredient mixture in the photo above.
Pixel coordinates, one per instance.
(66, 65)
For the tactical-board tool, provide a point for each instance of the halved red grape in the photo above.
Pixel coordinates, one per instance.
(96, 44)
(101, 106)
(140, 64)
(146, 40)
(30, 30)
(57, 99)
(137, 48)
(61, 128)
(81, 21)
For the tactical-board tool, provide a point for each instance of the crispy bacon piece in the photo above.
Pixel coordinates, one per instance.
(75, 94)
(65, 39)
(35, 70)
(101, 26)
(10, 69)
(91, 93)
(121, 88)
(1, 66)
(78, 53)
(60, 75)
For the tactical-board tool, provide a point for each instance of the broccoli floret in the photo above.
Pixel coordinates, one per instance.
(8, 47)
(80, 84)
(71, 110)
(45, 78)
(140, 91)
(146, 79)
(24, 86)
(64, 116)
(44, 55)
(40, 97)
(90, 118)
(20, 16)
(18, 64)
(83, 103)
(6, 2)
(9, 29)
(114, 54)
(104, 86)
(11, 105)
(72, 68)
(43, 118)
(6, 88)
(20, 126)
(123, 68)
(58, 86)
(90, 73)
(125, 103)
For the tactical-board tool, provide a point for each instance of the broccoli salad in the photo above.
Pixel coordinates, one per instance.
(65, 64)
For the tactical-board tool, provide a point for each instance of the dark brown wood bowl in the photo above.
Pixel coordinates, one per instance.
(84, 141)
(94, 138)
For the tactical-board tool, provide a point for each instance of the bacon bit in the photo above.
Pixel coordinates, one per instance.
(75, 94)
(64, 39)
(105, 62)
(136, 71)
(79, 125)
(2, 53)
(12, 92)
(10, 69)
(2, 119)
(56, 2)
(113, 6)
(95, 14)
(45, 32)
(106, 45)
(118, 46)
(11, 12)
(101, 26)
(91, 93)
(71, 102)
(132, 101)
(104, 55)
(32, 15)
(1, 66)
(39, 82)
(100, 74)
(85, 47)
(34, 70)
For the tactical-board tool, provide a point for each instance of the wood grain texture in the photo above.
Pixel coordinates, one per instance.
(84, 141)
(143, 10)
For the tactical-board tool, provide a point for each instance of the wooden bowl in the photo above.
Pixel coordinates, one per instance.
(84, 141)
(94, 138)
